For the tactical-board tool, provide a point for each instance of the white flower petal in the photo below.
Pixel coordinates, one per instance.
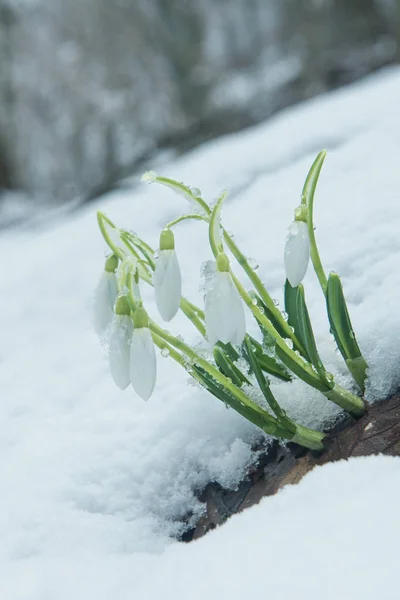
(119, 350)
(143, 363)
(167, 284)
(297, 252)
(224, 312)
(239, 318)
(104, 300)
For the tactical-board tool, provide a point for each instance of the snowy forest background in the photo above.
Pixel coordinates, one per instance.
(89, 89)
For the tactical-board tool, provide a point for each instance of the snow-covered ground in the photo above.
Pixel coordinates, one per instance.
(94, 482)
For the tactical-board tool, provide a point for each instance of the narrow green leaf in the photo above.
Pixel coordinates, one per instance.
(291, 310)
(228, 368)
(229, 350)
(269, 364)
(301, 373)
(265, 388)
(358, 368)
(306, 333)
(339, 319)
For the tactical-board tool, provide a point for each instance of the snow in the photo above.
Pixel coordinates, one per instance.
(94, 481)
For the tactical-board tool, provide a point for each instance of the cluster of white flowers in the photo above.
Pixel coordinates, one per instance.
(131, 351)
(237, 359)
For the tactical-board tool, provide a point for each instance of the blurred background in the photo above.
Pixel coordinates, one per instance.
(90, 90)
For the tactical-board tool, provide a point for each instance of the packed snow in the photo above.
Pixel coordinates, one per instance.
(95, 483)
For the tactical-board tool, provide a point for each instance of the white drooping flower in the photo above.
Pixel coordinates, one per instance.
(105, 296)
(223, 307)
(119, 343)
(167, 278)
(297, 252)
(119, 350)
(143, 362)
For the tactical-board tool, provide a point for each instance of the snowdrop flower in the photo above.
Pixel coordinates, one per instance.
(223, 307)
(105, 296)
(143, 363)
(119, 343)
(167, 277)
(297, 252)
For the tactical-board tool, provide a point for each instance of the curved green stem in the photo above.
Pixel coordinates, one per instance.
(187, 308)
(101, 220)
(184, 191)
(308, 196)
(186, 218)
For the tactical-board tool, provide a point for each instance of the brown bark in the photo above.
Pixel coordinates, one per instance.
(377, 432)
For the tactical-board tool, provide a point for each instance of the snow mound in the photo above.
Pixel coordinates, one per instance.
(94, 482)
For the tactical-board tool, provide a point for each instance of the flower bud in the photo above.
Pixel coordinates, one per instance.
(105, 296)
(119, 349)
(143, 362)
(223, 309)
(167, 278)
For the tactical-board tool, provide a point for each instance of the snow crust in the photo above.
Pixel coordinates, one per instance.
(94, 482)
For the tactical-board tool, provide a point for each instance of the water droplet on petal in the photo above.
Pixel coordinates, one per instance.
(352, 336)
(254, 301)
(329, 377)
(285, 315)
(262, 311)
(276, 302)
(165, 352)
(291, 329)
(289, 343)
(230, 233)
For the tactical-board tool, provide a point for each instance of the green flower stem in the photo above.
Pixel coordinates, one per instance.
(259, 286)
(336, 394)
(197, 310)
(162, 344)
(187, 308)
(186, 218)
(308, 194)
(308, 438)
(346, 400)
(101, 220)
(303, 436)
(184, 191)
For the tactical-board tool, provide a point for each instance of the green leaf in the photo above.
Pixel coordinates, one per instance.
(291, 310)
(228, 368)
(358, 368)
(339, 319)
(265, 388)
(306, 333)
(301, 373)
(269, 364)
(229, 350)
